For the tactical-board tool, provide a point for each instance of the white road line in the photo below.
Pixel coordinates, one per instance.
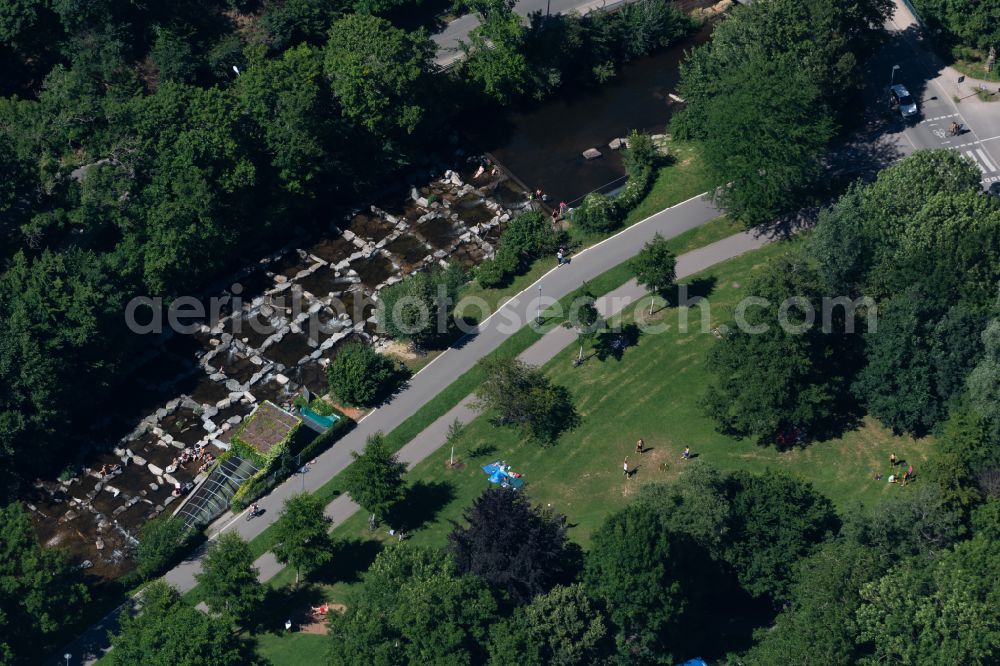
(972, 157)
(990, 139)
(986, 160)
(931, 120)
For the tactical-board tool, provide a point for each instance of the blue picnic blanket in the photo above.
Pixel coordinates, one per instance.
(500, 477)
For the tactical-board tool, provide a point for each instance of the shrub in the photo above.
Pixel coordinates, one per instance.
(640, 156)
(490, 274)
(159, 542)
(530, 236)
(597, 214)
(360, 375)
(635, 189)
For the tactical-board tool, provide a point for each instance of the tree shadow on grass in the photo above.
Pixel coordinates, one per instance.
(351, 558)
(693, 290)
(482, 451)
(292, 602)
(613, 343)
(423, 501)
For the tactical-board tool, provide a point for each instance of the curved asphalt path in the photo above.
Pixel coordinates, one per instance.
(443, 370)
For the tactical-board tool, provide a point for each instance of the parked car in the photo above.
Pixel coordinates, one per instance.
(901, 99)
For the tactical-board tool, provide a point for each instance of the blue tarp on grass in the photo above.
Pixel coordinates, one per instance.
(498, 476)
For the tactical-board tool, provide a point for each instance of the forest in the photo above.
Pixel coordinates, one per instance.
(147, 150)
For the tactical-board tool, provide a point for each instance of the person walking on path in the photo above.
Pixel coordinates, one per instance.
(640, 446)
(625, 467)
(687, 453)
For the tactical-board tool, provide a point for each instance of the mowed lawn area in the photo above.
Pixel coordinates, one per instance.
(653, 392)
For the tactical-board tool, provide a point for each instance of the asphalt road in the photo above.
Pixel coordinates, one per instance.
(936, 87)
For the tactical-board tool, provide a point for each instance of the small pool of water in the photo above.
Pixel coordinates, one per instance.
(404, 207)
(371, 227)
(209, 392)
(410, 251)
(289, 265)
(313, 376)
(439, 232)
(468, 255)
(254, 285)
(184, 425)
(288, 351)
(323, 281)
(373, 271)
(252, 330)
(333, 250)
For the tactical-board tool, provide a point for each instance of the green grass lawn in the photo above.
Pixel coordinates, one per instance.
(653, 392)
(295, 649)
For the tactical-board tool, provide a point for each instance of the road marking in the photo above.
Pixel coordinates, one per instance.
(972, 157)
(986, 160)
(929, 120)
(990, 139)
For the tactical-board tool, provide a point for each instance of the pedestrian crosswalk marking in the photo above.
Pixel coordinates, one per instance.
(972, 157)
(982, 160)
(986, 160)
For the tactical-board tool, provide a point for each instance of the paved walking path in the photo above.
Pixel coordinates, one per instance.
(440, 373)
(541, 352)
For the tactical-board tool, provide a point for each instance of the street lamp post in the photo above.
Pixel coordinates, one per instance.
(538, 306)
(892, 77)
(67, 657)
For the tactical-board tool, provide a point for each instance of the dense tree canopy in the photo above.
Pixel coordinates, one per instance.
(938, 611)
(820, 626)
(562, 627)
(168, 632)
(781, 365)
(963, 22)
(378, 72)
(765, 94)
(360, 376)
(40, 592)
(415, 609)
(418, 310)
(642, 573)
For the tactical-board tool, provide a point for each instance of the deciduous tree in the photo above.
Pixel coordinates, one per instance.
(512, 545)
(562, 628)
(168, 632)
(523, 397)
(360, 376)
(301, 537)
(230, 581)
(378, 72)
(375, 478)
(655, 268)
(40, 592)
